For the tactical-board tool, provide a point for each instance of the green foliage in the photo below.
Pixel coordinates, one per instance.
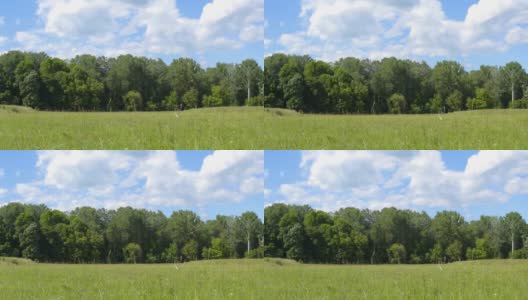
(255, 253)
(454, 102)
(256, 101)
(190, 98)
(87, 235)
(390, 235)
(361, 86)
(397, 104)
(397, 253)
(171, 101)
(89, 83)
(171, 254)
(190, 251)
(133, 101)
(132, 253)
(454, 251)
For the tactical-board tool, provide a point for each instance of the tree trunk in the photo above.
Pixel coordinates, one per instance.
(513, 245)
(248, 243)
(513, 92)
(249, 91)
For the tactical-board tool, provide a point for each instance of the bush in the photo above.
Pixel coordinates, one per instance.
(132, 253)
(133, 101)
(170, 255)
(255, 253)
(473, 104)
(397, 104)
(397, 253)
(256, 101)
(171, 101)
(520, 104)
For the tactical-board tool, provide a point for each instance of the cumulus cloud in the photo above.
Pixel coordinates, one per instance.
(405, 179)
(156, 179)
(158, 27)
(410, 28)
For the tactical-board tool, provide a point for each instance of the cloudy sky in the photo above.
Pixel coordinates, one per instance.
(207, 30)
(473, 183)
(474, 32)
(209, 183)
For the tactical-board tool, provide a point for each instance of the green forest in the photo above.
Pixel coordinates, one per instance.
(125, 235)
(353, 86)
(353, 236)
(125, 83)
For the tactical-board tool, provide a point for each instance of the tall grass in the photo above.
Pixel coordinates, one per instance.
(266, 279)
(258, 128)
(488, 129)
(466, 280)
(214, 128)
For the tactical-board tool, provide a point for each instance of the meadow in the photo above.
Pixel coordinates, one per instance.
(265, 279)
(211, 128)
(500, 279)
(485, 129)
(258, 128)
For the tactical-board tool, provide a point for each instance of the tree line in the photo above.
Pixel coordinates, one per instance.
(125, 83)
(125, 235)
(390, 85)
(390, 235)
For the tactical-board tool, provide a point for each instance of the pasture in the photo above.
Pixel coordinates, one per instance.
(265, 279)
(486, 129)
(213, 128)
(504, 279)
(222, 279)
(257, 128)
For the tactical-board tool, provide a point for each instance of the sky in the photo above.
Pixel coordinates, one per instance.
(209, 31)
(206, 182)
(473, 32)
(474, 183)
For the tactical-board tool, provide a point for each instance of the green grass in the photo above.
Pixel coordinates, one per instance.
(488, 129)
(465, 280)
(214, 128)
(226, 279)
(258, 128)
(266, 279)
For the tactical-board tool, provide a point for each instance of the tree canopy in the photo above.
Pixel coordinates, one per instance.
(389, 85)
(89, 83)
(89, 235)
(389, 235)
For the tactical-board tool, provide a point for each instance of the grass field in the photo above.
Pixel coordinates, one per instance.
(465, 280)
(214, 128)
(265, 279)
(258, 128)
(488, 129)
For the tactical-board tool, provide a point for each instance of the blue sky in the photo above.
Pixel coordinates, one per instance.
(474, 32)
(206, 30)
(473, 183)
(207, 182)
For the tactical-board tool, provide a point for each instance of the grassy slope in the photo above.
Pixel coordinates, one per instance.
(215, 128)
(267, 279)
(489, 129)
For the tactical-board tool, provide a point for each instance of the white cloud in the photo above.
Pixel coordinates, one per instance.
(142, 179)
(406, 179)
(3, 192)
(411, 28)
(143, 27)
